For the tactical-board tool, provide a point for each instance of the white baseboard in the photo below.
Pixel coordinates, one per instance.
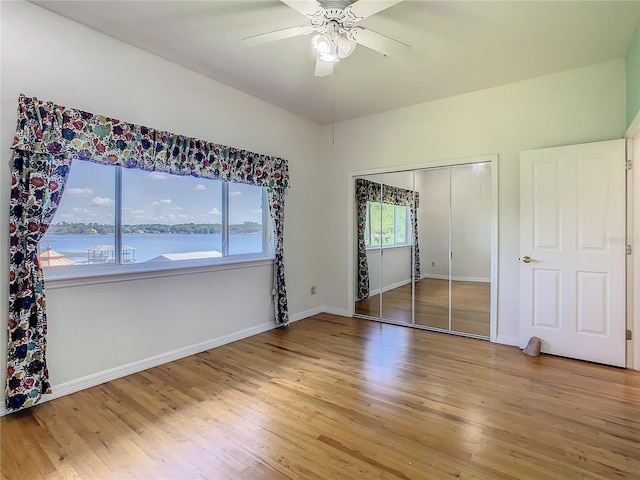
(458, 279)
(389, 287)
(307, 313)
(323, 309)
(508, 340)
(341, 312)
(89, 381)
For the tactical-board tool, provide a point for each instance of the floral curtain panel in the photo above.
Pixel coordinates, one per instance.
(37, 184)
(368, 191)
(48, 137)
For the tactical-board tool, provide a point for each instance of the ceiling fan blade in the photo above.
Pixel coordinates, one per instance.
(366, 8)
(305, 7)
(380, 43)
(277, 35)
(323, 69)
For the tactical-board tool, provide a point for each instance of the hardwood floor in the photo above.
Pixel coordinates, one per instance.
(333, 397)
(470, 305)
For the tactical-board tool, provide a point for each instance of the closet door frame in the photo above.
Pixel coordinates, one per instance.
(352, 240)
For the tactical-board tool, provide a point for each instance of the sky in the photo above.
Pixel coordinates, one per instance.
(152, 197)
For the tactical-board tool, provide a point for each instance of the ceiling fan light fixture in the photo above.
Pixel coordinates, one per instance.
(345, 46)
(322, 44)
(334, 31)
(330, 58)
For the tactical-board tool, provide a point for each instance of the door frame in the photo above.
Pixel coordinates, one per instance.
(633, 215)
(351, 212)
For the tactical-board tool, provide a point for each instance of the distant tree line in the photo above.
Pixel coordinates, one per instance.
(65, 228)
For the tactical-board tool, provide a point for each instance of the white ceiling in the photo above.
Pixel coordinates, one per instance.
(457, 47)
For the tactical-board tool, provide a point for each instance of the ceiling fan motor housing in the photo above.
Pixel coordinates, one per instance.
(343, 17)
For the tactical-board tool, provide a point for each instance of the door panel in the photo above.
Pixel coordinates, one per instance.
(432, 292)
(397, 266)
(471, 248)
(546, 204)
(572, 225)
(593, 303)
(546, 298)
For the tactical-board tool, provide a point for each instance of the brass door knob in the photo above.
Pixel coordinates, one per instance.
(526, 259)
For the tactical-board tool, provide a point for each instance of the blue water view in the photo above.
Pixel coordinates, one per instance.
(150, 246)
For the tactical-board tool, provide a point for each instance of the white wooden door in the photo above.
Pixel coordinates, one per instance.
(572, 234)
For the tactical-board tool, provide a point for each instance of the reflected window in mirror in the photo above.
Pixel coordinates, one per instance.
(386, 225)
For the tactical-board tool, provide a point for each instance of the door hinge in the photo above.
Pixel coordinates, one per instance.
(629, 336)
(629, 250)
(629, 164)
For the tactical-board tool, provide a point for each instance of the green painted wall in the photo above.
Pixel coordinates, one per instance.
(633, 78)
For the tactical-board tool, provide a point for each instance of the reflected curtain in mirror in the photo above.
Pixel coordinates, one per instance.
(368, 191)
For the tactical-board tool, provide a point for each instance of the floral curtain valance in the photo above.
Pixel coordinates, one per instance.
(44, 127)
(48, 138)
(368, 191)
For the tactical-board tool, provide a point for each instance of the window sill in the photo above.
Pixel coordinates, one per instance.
(388, 247)
(65, 277)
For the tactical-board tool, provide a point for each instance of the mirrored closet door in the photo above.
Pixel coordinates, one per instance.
(397, 246)
(386, 246)
(424, 248)
(470, 277)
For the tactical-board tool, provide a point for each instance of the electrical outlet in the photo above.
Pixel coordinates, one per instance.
(433, 264)
(313, 290)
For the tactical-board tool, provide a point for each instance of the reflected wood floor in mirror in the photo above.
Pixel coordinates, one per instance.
(470, 305)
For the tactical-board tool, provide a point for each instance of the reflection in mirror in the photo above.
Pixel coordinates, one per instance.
(432, 289)
(384, 247)
(471, 248)
(424, 248)
(368, 246)
(398, 254)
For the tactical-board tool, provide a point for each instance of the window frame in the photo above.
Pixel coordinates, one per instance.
(395, 244)
(74, 275)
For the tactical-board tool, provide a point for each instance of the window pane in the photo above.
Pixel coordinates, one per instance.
(83, 229)
(245, 219)
(367, 229)
(169, 217)
(387, 224)
(374, 223)
(401, 224)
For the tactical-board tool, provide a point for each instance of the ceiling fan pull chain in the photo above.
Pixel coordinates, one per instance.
(333, 110)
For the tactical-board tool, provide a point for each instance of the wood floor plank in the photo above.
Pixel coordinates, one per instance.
(340, 398)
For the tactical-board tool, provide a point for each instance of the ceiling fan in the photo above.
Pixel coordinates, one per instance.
(336, 32)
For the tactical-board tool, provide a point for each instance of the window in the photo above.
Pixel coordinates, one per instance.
(118, 216)
(387, 224)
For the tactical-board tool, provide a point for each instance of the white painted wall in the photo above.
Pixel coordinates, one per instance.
(96, 328)
(433, 221)
(393, 268)
(576, 106)
(471, 222)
